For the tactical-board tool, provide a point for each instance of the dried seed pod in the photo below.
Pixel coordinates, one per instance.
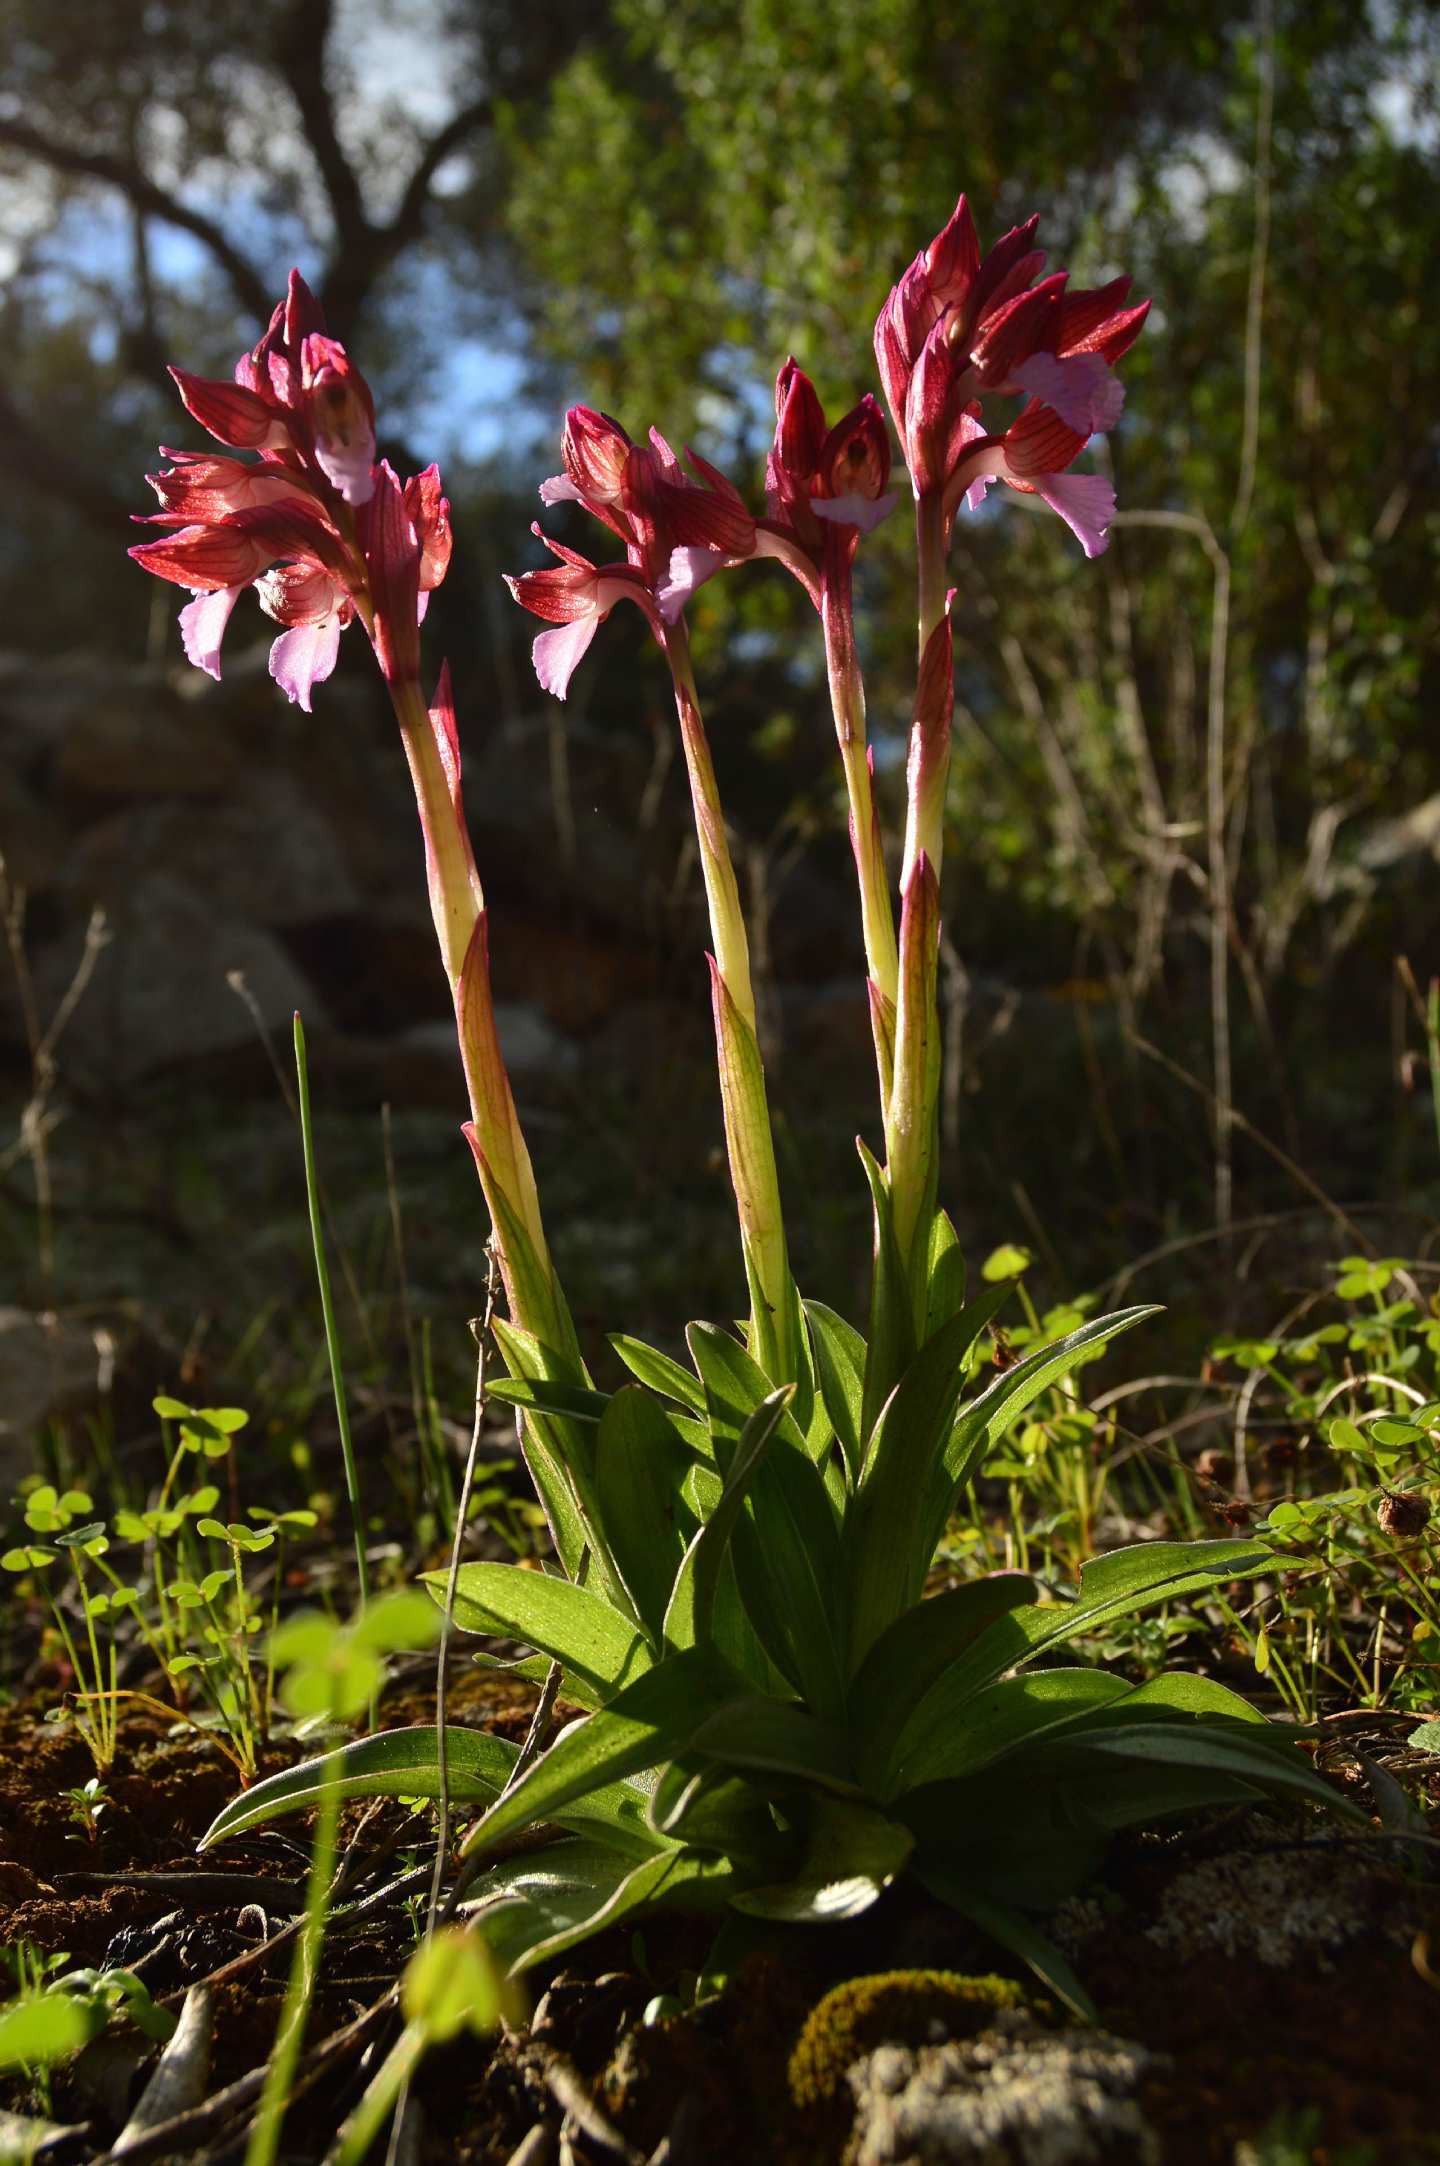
(1403, 1512)
(1214, 1465)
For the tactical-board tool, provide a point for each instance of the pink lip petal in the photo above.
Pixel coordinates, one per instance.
(202, 627)
(866, 512)
(558, 652)
(1081, 388)
(303, 657)
(690, 567)
(1086, 502)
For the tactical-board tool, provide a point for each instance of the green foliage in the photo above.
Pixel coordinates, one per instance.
(787, 1730)
(1349, 1496)
(69, 2010)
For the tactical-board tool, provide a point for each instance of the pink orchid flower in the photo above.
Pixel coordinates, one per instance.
(322, 531)
(675, 529)
(824, 488)
(960, 327)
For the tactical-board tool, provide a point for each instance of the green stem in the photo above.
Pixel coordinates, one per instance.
(265, 2135)
(722, 889)
(749, 1138)
(327, 1311)
(457, 907)
(358, 2133)
(847, 701)
(925, 822)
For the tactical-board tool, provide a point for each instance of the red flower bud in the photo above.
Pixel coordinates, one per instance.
(855, 457)
(232, 414)
(595, 449)
(799, 424)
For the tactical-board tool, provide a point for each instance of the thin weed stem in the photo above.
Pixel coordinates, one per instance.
(327, 1310)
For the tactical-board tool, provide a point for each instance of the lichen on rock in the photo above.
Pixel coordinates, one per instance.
(1015, 2095)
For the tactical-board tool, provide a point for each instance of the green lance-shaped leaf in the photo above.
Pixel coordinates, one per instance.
(405, 1763)
(690, 1611)
(1118, 1585)
(1011, 1929)
(890, 1345)
(640, 1466)
(851, 1856)
(889, 1537)
(394, 1763)
(570, 1402)
(710, 1807)
(1214, 1748)
(534, 1908)
(979, 1424)
(560, 1453)
(649, 1722)
(1008, 1714)
(946, 1282)
(914, 1652)
(982, 1421)
(571, 1624)
(659, 1371)
(786, 1544)
(839, 1354)
(779, 1737)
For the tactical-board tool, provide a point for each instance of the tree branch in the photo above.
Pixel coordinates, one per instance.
(146, 195)
(300, 56)
(414, 202)
(28, 456)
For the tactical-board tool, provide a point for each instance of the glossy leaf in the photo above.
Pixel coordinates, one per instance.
(1214, 1749)
(395, 1763)
(911, 1654)
(649, 1722)
(779, 1736)
(658, 1371)
(1005, 1716)
(571, 1402)
(889, 1538)
(566, 1622)
(1118, 1585)
(982, 1421)
(534, 1908)
(852, 1854)
(708, 1806)
(640, 1468)
(690, 1613)
(786, 1545)
(840, 1369)
(945, 1295)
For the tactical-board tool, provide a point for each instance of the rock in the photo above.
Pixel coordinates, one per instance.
(160, 995)
(1016, 2095)
(141, 750)
(33, 842)
(1280, 1907)
(48, 1363)
(265, 853)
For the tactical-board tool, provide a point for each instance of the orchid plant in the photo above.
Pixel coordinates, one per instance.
(773, 1724)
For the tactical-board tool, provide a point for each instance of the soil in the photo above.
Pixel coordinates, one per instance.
(1264, 1970)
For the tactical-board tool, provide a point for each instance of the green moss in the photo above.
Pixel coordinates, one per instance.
(893, 2007)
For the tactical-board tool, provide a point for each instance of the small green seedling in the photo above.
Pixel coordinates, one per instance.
(87, 1802)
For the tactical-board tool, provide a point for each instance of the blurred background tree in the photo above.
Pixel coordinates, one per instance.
(1194, 792)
